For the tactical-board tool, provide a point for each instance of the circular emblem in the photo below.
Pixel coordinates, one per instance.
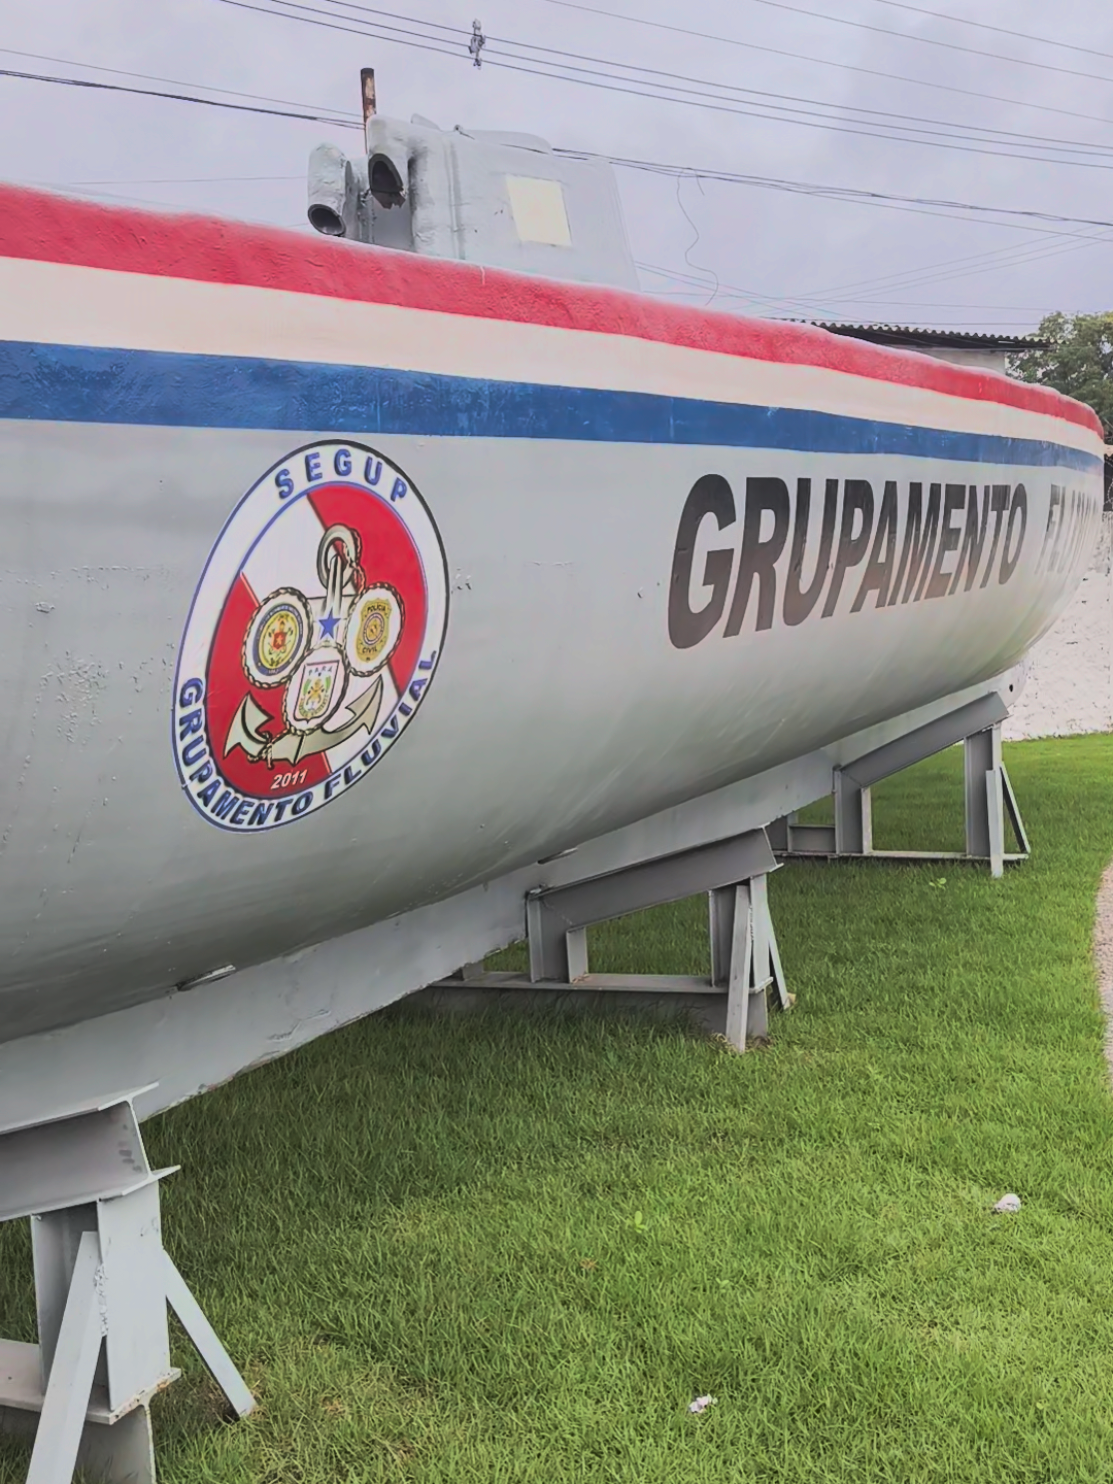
(277, 638)
(313, 636)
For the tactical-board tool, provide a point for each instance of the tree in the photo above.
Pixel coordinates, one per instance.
(1076, 359)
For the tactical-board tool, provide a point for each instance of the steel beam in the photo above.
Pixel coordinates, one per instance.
(216, 1359)
(989, 797)
(925, 741)
(557, 917)
(102, 1280)
(744, 956)
(853, 816)
(77, 1346)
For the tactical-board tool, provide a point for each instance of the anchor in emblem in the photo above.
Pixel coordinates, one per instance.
(314, 650)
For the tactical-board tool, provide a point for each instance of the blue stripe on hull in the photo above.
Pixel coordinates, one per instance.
(54, 383)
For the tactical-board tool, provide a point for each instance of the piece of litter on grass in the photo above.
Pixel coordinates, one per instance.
(701, 1404)
(1008, 1204)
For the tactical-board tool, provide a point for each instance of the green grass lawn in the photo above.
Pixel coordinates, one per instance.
(514, 1249)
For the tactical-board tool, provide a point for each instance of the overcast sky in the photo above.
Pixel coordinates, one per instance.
(771, 252)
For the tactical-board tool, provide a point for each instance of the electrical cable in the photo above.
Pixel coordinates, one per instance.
(848, 193)
(947, 271)
(8, 51)
(792, 187)
(701, 100)
(844, 193)
(1012, 256)
(775, 51)
(729, 88)
(673, 81)
(973, 262)
(960, 20)
(115, 87)
(60, 185)
(952, 46)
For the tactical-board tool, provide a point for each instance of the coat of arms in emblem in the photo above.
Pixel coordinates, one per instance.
(309, 650)
(314, 633)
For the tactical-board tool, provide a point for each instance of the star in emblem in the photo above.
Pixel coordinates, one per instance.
(328, 626)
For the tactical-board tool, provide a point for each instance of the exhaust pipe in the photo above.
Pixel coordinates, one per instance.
(333, 197)
(388, 162)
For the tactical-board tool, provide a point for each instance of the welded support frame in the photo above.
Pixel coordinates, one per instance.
(988, 795)
(102, 1284)
(745, 961)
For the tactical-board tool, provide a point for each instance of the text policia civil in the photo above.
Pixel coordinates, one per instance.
(887, 550)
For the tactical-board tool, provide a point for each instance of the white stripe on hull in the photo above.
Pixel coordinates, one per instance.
(65, 305)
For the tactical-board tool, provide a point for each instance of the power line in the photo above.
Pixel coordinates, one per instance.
(673, 77)
(993, 260)
(842, 193)
(945, 271)
(424, 45)
(960, 20)
(833, 192)
(115, 87)
(59, 185)
(784, 302)
(174, 82)
(732, 292)
(775, 51)
(984, 261)
(99, 195)
(636, 87)
(811, 304)
(996, 257)
(903, 278)
(952, 46)
(1018, 257)
(848, 194)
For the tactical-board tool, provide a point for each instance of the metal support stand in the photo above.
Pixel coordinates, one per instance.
(745, 961)
(102, 1282)
(989, 795)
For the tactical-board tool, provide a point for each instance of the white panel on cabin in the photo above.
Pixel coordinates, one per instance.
(539, 211)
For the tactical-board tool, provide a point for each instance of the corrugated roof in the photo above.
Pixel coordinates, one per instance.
(913, 335)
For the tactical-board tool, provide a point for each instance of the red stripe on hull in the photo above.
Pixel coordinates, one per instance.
(55, 229)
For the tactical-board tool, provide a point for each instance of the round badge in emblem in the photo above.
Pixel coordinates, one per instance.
(374, 629)
(279, 635)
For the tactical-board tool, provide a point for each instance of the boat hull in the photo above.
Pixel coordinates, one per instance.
(637, 555)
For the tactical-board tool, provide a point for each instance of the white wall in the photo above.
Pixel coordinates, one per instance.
(1070, 679)
(977, 357)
